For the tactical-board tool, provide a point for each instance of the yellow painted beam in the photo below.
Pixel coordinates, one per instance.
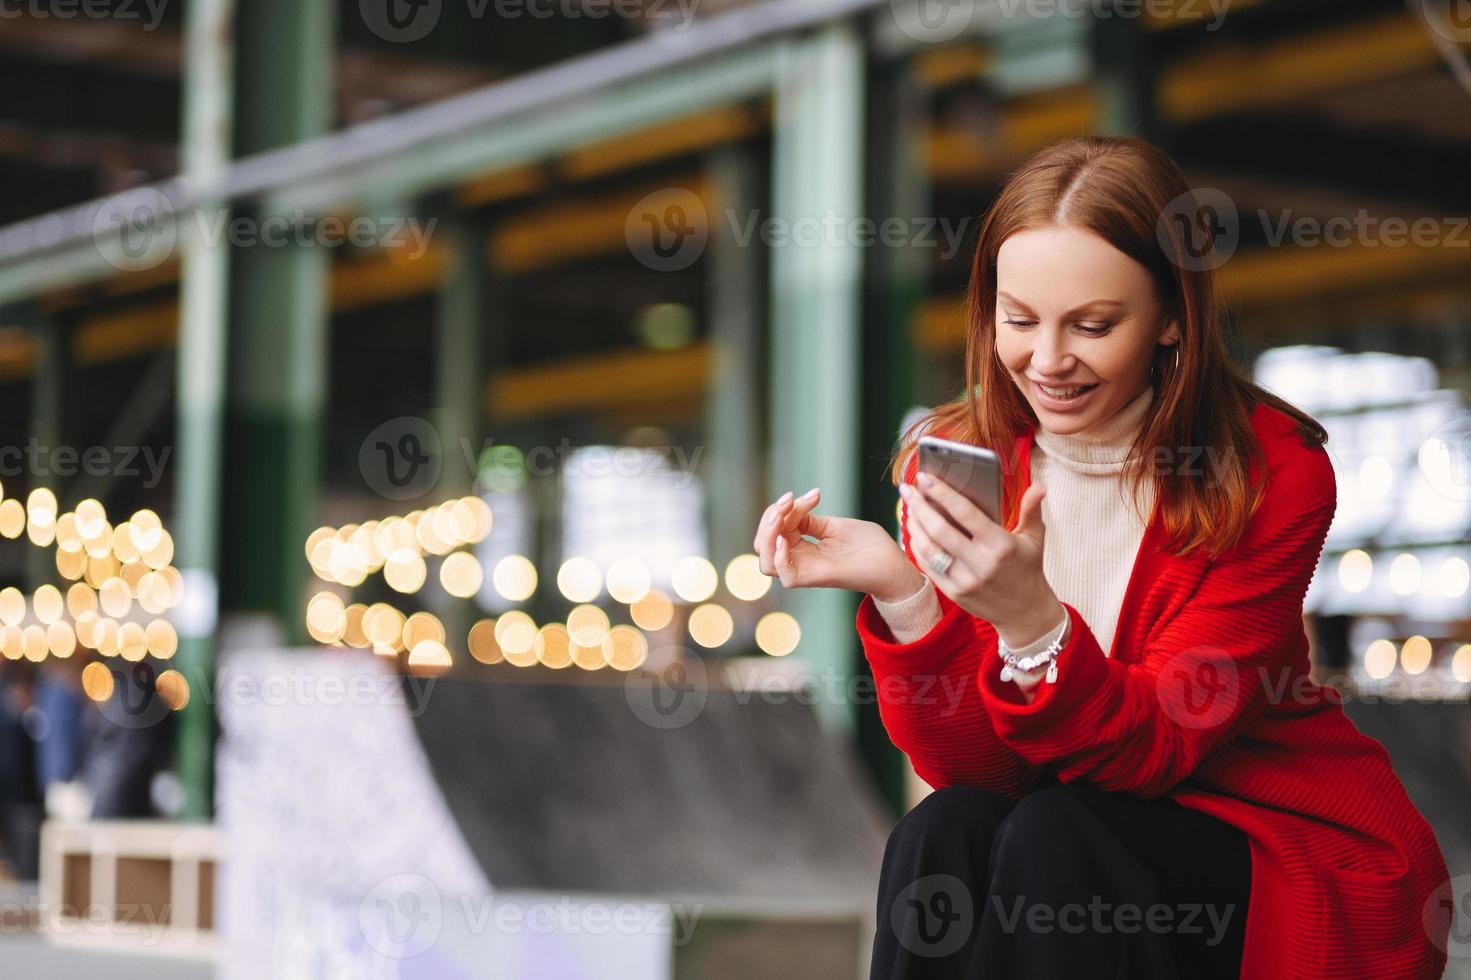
(1228, 78)
(951, 63)
(500, 185)
(395, 277)
(677, 137)
(618, 381)
(1295, 275)
(1024, 126)
(1187, 13)
(564, 232)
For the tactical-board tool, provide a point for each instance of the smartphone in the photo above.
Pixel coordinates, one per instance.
(972, 470)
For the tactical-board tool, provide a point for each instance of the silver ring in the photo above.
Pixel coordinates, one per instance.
(941, 561)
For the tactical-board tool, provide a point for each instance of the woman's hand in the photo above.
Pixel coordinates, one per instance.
(848, 553)
(996, 574)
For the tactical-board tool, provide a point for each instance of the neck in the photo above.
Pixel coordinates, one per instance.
(1103, 447)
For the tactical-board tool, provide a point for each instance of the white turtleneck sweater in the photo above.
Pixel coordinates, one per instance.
(1093, 533)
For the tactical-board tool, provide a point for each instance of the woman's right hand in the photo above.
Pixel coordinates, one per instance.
(848, 553)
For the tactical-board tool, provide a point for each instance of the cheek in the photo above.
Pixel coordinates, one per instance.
(1012, 351)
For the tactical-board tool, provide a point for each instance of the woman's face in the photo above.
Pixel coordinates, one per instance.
(1073, 311)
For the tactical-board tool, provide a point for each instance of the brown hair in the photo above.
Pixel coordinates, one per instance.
(1120, 188)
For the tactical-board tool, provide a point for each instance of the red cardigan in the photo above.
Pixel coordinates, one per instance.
(1206, 699)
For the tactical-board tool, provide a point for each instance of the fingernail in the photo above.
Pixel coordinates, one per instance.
(925, 480)
(905, 490)
(785, 497)
(810, 493)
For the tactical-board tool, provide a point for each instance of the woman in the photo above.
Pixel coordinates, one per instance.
(1134, 775)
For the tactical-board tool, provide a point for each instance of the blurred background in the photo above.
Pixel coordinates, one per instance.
(389, 391)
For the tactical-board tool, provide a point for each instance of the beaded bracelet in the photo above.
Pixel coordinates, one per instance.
(1047, 656)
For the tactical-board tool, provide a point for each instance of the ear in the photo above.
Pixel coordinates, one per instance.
(1171, 334)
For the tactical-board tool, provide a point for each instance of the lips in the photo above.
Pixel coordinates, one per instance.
(1071, 404)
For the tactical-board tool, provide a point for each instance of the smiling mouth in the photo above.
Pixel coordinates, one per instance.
(1064, 393)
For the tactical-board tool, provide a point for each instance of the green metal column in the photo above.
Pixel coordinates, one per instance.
(1125, 78)
(208, 94)
(279, 319)
(458, 383)
(732, 459)
(47, 426)
(895, 280)
(814, 403)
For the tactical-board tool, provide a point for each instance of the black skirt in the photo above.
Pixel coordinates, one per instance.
(1069, 882)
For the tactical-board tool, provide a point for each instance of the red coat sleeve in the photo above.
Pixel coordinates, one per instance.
(1142, 727)
(929, 701)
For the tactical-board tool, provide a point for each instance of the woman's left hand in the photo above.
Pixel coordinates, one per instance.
(996, 574)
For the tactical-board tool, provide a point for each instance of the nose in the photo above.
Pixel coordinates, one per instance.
(1050, 356)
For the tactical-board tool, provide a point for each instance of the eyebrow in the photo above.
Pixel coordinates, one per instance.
(1073, 312)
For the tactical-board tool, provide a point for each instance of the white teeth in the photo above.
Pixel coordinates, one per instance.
(1062, 392)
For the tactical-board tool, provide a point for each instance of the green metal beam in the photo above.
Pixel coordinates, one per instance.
(279, 317)
(733, 464)
(458, 382)
(896, 279)
(208, 120)
(815, 335)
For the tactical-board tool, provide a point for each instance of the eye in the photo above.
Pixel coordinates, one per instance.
(1018, 323)
(1095, 330)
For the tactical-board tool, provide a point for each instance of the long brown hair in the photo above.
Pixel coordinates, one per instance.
(1124, 190)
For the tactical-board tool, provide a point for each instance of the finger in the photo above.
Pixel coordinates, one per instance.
(799, 513)
(766, 535)
(925, 549)
(937, 528)
(785, 568)
(958, 506)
